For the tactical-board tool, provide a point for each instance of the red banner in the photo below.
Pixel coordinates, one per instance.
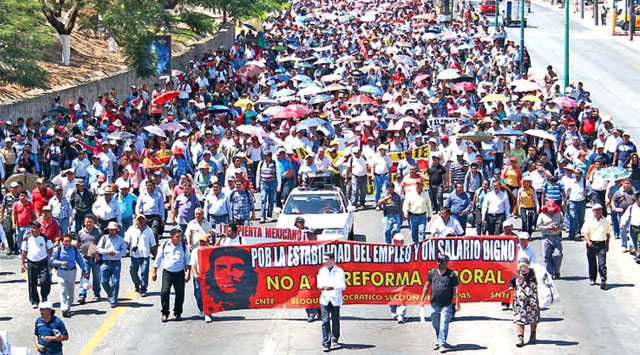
(284, 274)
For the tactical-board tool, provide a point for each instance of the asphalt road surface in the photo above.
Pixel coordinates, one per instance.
(586, 320)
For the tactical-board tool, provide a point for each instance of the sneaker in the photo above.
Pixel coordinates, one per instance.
(208, 318)
(82, 300)
(603, 285)
(310, 318)
(164, 318)
(143, 294)
(436, 346)
(400, 319)
(625, 251)
(592, 283)
(263, 220)
(201, 314)
(66, 314)
(394, 316)
(377, 208)
(34, 306)
(114, 305)
(178, 318)
(335, 341)
(326, 349)
(556, 275)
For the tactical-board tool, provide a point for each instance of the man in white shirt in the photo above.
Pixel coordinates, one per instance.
(631, 217)
(381, 164)
(195, 228)
(331, 282)
(446, 226)
(142, 244)
(357, 173)
(597, 232)
(37, 249)
(495, 209)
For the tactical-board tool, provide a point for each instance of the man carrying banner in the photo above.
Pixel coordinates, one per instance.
(312, 235)
(443, 283)
(446, 225)
(331, 282)
(399, 312)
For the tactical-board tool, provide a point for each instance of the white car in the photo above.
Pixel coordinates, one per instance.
(325, 208)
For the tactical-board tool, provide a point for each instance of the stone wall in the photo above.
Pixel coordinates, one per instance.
(33, 107)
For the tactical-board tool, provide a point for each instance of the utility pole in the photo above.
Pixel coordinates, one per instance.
(566, 44)
(521, 37)
(632, 20)
(496, 16)
(595, 12)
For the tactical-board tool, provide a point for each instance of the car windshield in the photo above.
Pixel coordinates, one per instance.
(313, 204)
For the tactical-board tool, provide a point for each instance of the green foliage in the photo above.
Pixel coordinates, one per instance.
(197, 22)
(241, 10)
(24, 38)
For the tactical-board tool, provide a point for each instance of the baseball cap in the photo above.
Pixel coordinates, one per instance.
(45, 305)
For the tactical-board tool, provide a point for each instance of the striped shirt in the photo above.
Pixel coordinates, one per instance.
(553, 192)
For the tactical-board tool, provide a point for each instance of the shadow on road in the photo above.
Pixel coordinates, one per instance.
(227, 318)
(5, 273)
(353, 346)
(88, 312)
(475, 318)
(557, 342)
(464, 347)
(549, 319)
(16, 281)
(573, 278)
(135, 304)
(4, 319)
(612, 286)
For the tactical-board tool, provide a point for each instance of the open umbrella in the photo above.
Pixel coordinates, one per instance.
(371, 90)
(281, 77)
(363, 118)
(526, 86)
(323, 61)
(508, 132)
(284, 92)
(538, 133)
(406, 60)
(411, 106)
(250, 70)
(418, 79)
(217, 109)
(531, 98)
(267, 101)
(463, 86)
(565, 101)
(408, 121)
(331, 77)
(346, 58)
(462, 78)
(122, 136)
(272, 110)
(322, 98)
(448, 74)
(334, 87)
(28, 181)
(315, 122)
(304, 109)
(301, 77)
(242, 103)
(517, 117)
(477, 136)
(360, 100)
(310, 91)
(494, 97)
(252, 130)
(155, 130)
(288, 113)
(165, 97)
(613, 173)
(173, 126)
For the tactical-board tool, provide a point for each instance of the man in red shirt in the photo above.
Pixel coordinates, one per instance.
(23, 214)
(40, 196)
(49, 226)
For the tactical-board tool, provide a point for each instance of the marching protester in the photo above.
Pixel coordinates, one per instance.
(203, 241)
(86, 242)
(111, 249)
(331, 282)
(597, 232)
(417, 210)
(550, 224)
(495, 209)
(391, 213)
(36, 250)
(442, 284)
(399, 312)
(64, 259)
(525, 300)
(446, 225)
(50, 331)
(141, 244)
(174, 257)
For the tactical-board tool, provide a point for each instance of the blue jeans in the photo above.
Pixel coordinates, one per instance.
(380, 183)
(628, 242)
(330, 328)
(20, 235)
(576, 216)
(219, 219)
(400, 310)
(94, 268)
(462, 219)
(358, 190)
(197, 292)
(64, 226)
(268, 197)
(110, 278)
(552, 250)
(418, 225)
(140, 282)
(126, 223)
(440, 318)
(615, 223)
(391, 225)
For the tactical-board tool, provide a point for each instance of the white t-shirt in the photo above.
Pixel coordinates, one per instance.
(36, 247)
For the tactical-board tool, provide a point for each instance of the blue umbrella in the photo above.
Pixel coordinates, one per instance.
(284, 92)
(267, 101)
(322, 98)
(217, 109)
(315, 122)
(323, 61)
(612, 173)
(371, 90)
(303, 78)
(508, 132)
(281, 77)
(443, 18)
(307, 84)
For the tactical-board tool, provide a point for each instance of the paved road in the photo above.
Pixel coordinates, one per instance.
(586, 320)
(607, 65)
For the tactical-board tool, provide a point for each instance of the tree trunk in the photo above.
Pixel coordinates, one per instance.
(224, 14)
(65, 41)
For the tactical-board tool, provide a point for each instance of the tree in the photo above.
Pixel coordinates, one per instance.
(62, 16)
(24, 37)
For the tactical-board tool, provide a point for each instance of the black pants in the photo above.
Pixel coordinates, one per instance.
(154, 222)
(599, 197)
(10, 233)
(38, 271)
(494, 223)
(436, 195)
(330, 331)
(175, 280)
(597, 259)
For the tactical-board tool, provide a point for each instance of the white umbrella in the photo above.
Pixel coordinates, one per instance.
(331, 77)
(310, 91)
(538, 133)
(155, 130)
(347, 58)
(448, 74)
(526, 86)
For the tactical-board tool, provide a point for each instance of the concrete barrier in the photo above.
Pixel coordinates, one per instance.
(34, 106)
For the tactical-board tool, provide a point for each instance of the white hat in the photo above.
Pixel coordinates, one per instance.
(112, 225)
(507, 223)
(123, 185)
(596, 206)
(45, 305)
(523, 236)
(398, 237)
(433, 140)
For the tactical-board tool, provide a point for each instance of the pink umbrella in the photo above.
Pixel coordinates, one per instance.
(304, 109)
(334, 87)
(420, 78)
(165, 97)
(361, 100)
(364, 118)
(408, 121)
(463, 86)
(288, 113)
(252, 130)
(565, 101)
